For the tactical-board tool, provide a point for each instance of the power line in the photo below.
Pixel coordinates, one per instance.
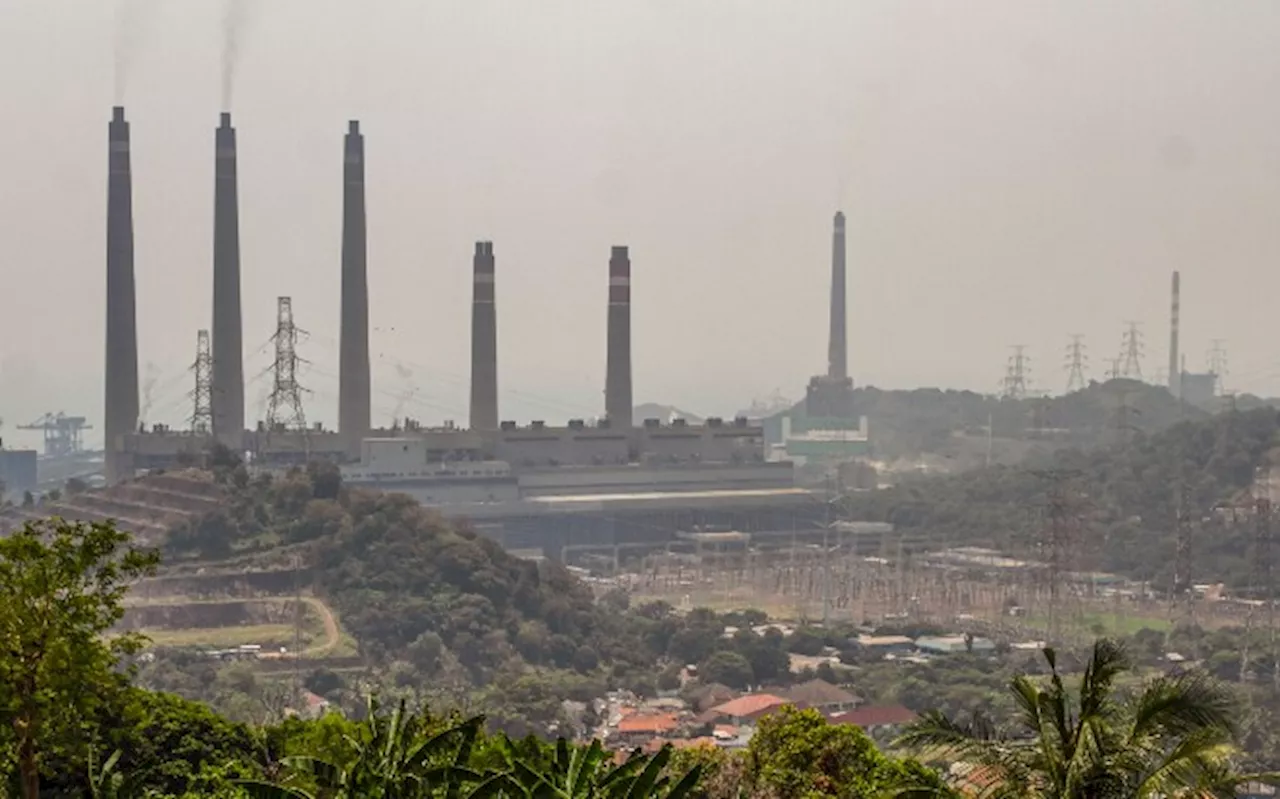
(1077, 359)
(284, 406)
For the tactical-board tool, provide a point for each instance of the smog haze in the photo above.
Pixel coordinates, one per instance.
(1012, 172)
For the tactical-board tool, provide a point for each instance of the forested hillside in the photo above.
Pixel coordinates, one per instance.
(1120, 500)
(906, 424)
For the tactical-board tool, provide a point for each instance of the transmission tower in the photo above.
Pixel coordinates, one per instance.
(1014, 385)
(1261, 583)
(1076, 362)
(1216, 359)
(1131, 351)
(284, 406)
(202, 394)
(1182, 590)
(1059, 546)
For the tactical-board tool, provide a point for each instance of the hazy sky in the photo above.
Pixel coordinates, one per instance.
(1013, 172)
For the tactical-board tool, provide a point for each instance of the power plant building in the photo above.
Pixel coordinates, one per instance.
(533, 485)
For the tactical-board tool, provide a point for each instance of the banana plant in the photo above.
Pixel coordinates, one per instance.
(396, 758)
(587, 772)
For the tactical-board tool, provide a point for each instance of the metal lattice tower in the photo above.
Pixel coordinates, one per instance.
(1060, 544)
(1182, 590)
(1014, 384)
(1261, 583)
(202, 394)
(1216, 360)
(284, 406)
(1076, 362)
(1131, 351)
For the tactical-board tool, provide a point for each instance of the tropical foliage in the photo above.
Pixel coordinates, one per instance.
(1177, 733)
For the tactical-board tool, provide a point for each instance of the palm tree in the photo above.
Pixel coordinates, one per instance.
(1176, 737)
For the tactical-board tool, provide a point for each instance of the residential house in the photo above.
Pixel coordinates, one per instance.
(637, 728)
(704, 697)
(878, 721)
(744, 710)
(822, 696)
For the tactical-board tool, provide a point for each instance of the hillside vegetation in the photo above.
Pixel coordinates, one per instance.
(1119, 501)
(951, 424)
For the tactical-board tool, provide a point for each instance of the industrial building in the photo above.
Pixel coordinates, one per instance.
(531, 485)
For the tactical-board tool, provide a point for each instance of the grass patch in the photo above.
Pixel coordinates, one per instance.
(268, 636)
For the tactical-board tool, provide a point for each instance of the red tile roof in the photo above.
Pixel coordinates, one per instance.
(875, 716)
(749, 705)
(663, 722)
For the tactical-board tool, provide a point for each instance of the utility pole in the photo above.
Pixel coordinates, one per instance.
(1014, 385)
(1076, 361)
(284, 407)
(202, 394)
(1131, 351)
(1113, 373)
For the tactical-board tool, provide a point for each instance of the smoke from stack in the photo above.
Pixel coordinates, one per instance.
(484, 341)
(354, 403)
(617, 386)
(837, 347)
(234, 23)
(1175, 322)
(228, 344)
(121, 412)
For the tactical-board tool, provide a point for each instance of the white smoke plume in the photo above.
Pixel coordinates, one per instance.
(235, 20)
(133, 18)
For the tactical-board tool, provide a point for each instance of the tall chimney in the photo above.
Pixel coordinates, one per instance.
(837, 347)
(1175, 321)
(484, 341)
(228, 344)
(353, 359)
(617, 384)
(121, 413)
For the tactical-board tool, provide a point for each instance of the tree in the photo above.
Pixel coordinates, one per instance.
(1175, 737)
(62, 587)
(798, 753)
(727, 668)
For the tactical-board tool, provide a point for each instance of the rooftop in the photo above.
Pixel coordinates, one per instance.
(748, 705)
(656, 723)
(875, 716)
(816, 693)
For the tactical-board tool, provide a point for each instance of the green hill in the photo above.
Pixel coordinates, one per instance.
(1120, 500)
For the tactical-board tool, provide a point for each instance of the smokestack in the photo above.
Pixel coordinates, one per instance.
(121, 413)
(617, 385)
(837, 348)
(484, 341)
(353, 360)
(228, 345)
(1175, 321)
